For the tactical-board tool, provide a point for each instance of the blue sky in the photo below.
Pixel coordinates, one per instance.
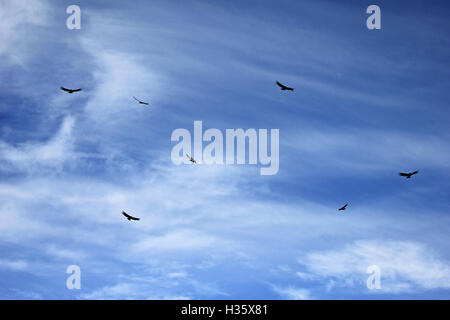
(367, 104)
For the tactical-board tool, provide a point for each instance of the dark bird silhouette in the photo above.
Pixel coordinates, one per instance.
(141, 102)
(70, 90)
(408, 175)
(191, 159)
(343, 208)
(129, 217)
(283, 87)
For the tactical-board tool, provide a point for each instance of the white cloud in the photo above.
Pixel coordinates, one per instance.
(118, 77)
(118, 291)
(181, 239)
(129, 291)
(177, 274)
(28, 294)
(66, 254)
(14, 265)
(35, 156)
(405, 266)
(292, 293)
(14, 15)
(365, 150)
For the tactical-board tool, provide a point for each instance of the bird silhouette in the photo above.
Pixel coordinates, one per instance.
(283, 87)
(129, 217)
(141, 102)
(343, 208)
(70, 90)
(191, 159)
(408, 175)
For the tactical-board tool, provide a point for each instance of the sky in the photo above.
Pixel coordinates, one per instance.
(367, 105)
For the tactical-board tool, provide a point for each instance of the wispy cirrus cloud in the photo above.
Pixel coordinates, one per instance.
(376, 149)
(131, 291)
(15, 265)
(37, 156)
(72, 163)
(15, 18)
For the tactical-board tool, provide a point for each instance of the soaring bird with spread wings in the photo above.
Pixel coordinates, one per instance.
(129, 217)
(408, 175)
(70, 90)
(140, 102)
(283, 87)
(191, 159)
(343, 208)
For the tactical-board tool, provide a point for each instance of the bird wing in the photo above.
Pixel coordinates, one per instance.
(417, 171)
(128, 216)
(76, 90)
(142, 102)
(403, 174)
(281, 85)
(62, 88)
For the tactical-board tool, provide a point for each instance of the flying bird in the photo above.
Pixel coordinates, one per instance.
(141, 102)
(343, 208)
(191, 159)
(70, 90)
(129, 217)
(283, 87)
(408, 175)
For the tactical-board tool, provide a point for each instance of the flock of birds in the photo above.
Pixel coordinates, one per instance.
(408, 175)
